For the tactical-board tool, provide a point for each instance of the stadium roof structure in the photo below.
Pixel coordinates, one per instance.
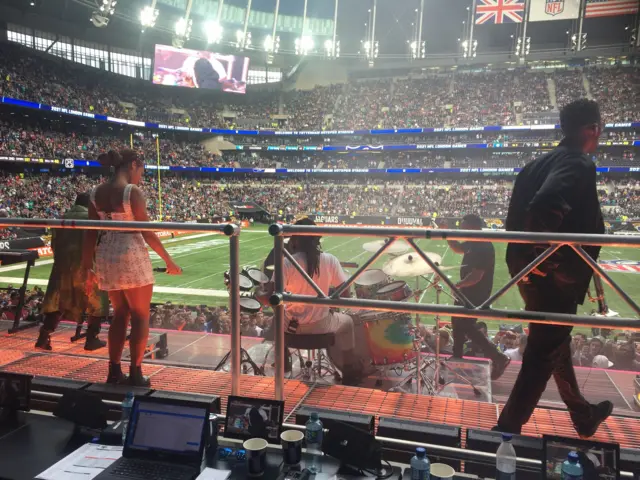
(445, 25)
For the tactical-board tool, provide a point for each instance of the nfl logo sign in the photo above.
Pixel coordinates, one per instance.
(554, 7)
(68, 163)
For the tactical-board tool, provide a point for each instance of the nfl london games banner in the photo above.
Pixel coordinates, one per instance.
(543, 10)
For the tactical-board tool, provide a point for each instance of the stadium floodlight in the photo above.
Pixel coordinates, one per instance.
(182, 32)
(304, 44)
(213, 31)
(148, 17)
(330, 50)
(241, 40)
(270, 45)
(100, 17)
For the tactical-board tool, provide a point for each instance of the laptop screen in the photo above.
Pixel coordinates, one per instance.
(166, 428)
(598, 460)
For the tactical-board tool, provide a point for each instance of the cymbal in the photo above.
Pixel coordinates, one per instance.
(399, 246)
(411, 265)
(270, 267)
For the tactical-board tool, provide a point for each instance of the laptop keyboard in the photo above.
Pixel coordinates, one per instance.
(151, 470)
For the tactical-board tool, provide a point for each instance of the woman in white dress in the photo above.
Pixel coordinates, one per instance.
(122, 263)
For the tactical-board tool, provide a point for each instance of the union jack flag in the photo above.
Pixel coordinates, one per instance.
(499, 11)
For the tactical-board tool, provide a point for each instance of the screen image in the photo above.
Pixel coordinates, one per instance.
(168, 428)
(254, 418)
(181, 67)
(598, 460)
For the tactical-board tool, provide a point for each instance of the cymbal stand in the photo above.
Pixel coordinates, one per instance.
(417, 373)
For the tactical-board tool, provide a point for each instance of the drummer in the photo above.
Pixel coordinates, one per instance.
(326, 272)
(476, 282)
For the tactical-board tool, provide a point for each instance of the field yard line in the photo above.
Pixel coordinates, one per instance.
(433, 275)
(21, 266)
(156, 289)
(199, 250)
(222, 271)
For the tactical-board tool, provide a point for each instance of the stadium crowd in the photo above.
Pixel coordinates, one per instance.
(602, 349)
(189, 199)
(454, 99)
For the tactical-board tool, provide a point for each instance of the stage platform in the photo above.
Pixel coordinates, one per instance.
(189, 368)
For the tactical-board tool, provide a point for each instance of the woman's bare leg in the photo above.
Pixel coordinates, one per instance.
(139, 301)
(118, 329)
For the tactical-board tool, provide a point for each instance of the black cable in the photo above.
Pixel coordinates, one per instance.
(388, 475)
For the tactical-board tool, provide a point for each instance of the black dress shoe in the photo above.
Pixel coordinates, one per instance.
(94, 343)
(44, 341)
(600, 413)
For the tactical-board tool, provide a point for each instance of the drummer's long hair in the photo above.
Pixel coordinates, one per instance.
(310, 246)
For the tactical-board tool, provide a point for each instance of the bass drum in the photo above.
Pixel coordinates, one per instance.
(362, 352)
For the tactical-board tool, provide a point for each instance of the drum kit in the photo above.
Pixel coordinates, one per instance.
(393, 341)
(249, 279)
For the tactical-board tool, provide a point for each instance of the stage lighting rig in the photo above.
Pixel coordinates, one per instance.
(100, 17)
(214, 31)
(148, 16)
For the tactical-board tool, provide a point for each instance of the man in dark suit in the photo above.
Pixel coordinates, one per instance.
(476, 283)
(556, 193)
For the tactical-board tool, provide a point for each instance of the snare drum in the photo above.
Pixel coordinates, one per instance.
(370, 282)
(395, 291)
(250, 305)
(389, 337)
(256, 276)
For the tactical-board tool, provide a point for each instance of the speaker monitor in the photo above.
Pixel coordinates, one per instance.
(213, 401)
(83, 408)
(329, 417)
(419, 432)
(488, 441)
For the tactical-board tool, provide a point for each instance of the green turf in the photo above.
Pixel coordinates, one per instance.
(204, 260)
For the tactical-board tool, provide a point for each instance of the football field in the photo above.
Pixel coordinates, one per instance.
(205, 257)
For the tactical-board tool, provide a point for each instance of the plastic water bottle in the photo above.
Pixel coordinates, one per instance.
(313, 439)
(571, 468)
(127, 405)
(420, 466)
(506, 459)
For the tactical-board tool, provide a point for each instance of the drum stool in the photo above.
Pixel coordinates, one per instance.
(318, 365)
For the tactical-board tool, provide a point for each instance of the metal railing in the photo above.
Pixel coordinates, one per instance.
(230, 230)
(468, 310)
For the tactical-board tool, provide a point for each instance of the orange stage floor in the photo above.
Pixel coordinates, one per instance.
(68, 361)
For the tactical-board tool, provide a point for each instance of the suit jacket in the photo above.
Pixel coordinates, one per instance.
(556, 193)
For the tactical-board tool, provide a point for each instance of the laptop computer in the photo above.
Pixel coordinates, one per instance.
(599, 460)
(165, 439)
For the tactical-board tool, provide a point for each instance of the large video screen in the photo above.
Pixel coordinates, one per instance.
(182, 67)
